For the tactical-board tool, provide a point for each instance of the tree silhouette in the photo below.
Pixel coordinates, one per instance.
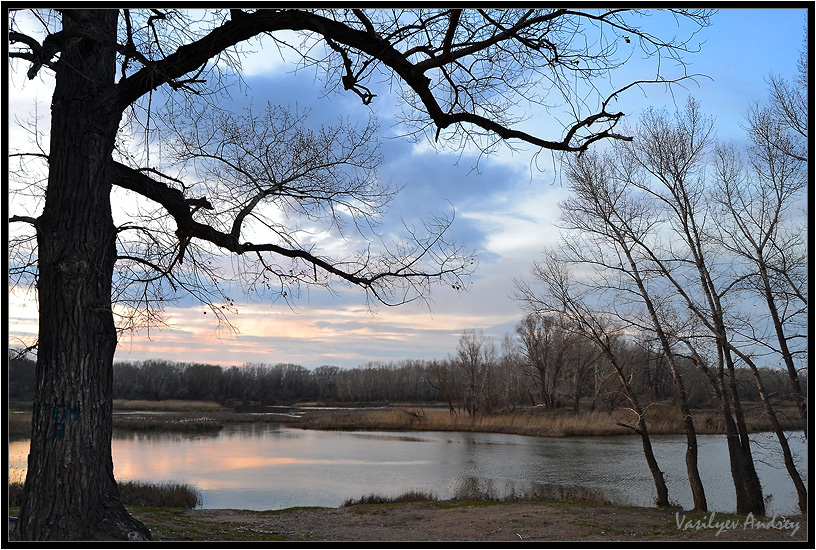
(465, 78)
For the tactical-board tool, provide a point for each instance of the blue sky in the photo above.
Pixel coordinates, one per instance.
(504, 211)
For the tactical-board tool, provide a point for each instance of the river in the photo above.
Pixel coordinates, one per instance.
(265, 466)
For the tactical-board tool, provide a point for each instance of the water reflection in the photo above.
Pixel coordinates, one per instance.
(265, 466)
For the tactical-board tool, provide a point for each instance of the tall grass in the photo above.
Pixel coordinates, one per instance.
(166, 495)
(188, 424)
(137, 493)
(409, 496)
(661, 419)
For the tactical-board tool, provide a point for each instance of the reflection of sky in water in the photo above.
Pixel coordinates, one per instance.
(264, 466)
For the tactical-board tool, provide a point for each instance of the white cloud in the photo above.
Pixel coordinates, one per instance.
(280, 52)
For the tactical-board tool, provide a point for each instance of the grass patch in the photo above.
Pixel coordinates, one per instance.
(480, 496)
(173, 524)
(560, 493)
(410, 496)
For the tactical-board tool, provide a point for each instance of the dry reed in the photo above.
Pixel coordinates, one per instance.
(660, 419)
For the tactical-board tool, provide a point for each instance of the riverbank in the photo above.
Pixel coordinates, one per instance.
(662, 418)
(534, 421)
(208, 417)
(468, 521)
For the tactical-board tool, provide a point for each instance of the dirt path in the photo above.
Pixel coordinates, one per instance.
(450, 521)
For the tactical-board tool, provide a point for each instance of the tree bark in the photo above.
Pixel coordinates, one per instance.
(754, 502)
(70, 492)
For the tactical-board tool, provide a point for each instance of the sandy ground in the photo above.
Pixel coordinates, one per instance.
(423, 521)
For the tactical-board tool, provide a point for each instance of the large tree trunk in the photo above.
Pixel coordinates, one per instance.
(754, 502)
(748, 495)
(70, 492)
(746, 484)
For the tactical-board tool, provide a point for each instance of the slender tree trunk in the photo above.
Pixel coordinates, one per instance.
(801, 490)
(70, 492)
(696, 483)
(801, 401)
(662, 500)
(746, 501)
(753, 489)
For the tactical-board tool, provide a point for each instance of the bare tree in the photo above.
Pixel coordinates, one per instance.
(442, 378)
(461, 74)
(545, 350)
(730, 228)
(785, 114)
(559, 294)
(475, 361)
(757, 193)
(609, 225)
(669, 166)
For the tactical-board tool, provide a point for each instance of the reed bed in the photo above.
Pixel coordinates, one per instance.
(165, 495)
(660, 419)
(204, 417)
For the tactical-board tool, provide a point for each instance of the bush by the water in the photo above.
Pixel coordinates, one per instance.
(167, 495)
(410, 496)
(137, 493)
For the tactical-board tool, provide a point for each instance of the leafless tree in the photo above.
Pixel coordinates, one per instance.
(465, 77)
(758, 193)
(704, 267)
(442, 378)
(785, 115)
(608, 226)
(545, 351)
(558, 294)
(475, 360)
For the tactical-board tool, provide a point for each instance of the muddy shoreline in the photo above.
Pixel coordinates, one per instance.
(461, 521)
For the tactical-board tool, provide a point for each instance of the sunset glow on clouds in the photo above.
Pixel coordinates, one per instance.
(313, 336)
(505, 211)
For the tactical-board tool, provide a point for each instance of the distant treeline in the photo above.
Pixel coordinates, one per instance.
(481, 382)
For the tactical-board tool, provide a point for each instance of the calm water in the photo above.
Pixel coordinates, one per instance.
(266, 466)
